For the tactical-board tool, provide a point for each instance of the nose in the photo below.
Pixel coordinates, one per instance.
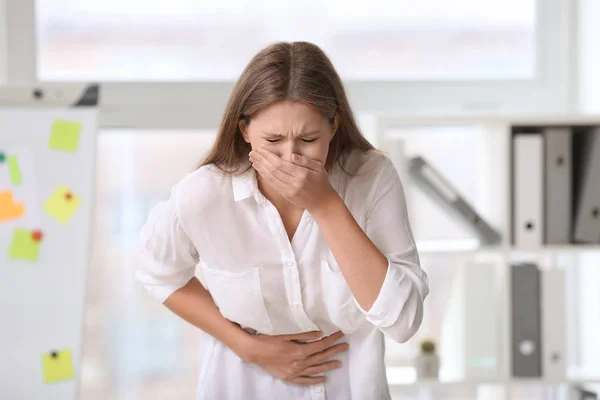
(289, 148)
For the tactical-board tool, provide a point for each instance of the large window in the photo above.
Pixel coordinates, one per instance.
(134, 349)
(137, 40)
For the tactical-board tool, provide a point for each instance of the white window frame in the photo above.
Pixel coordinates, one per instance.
(588, 31)
(17, 24)
(3, 44)
(199, 105)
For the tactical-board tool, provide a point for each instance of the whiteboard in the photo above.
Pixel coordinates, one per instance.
(43, 277)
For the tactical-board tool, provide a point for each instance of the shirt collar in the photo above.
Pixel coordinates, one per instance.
(245, 186)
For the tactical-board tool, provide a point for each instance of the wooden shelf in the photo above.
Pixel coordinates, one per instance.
(548, 249)
(392, 121)
(463, 252)
(562, 248)
(399, 387)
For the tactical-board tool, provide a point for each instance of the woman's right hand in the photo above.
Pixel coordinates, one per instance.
(286, 358)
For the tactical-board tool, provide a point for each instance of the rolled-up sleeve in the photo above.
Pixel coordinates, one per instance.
(167, 257)
(398, 309)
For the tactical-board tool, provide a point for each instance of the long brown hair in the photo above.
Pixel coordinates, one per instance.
(297, 71)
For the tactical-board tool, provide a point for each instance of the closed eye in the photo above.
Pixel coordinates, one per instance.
(277, 140)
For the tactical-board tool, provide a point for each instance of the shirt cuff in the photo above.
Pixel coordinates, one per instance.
(388, 305)
(163, 291)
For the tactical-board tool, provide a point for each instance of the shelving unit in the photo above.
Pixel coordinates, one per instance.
(537, 382)
(548, 249)
(383, 132)
(552, 249)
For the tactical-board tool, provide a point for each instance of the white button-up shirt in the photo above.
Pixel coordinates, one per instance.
(268, 284)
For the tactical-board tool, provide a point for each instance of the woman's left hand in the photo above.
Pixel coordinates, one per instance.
(302, 181)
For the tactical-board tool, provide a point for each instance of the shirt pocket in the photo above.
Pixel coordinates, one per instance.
(239, 297)
(339, 300)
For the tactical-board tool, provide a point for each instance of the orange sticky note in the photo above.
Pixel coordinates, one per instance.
(9, 208)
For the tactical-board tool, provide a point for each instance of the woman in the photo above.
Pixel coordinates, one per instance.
(302, 234)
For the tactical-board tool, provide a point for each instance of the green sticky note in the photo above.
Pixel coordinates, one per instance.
(62, 204)
(13, 170)
(65, 135)
(57, 366)
(25, 245)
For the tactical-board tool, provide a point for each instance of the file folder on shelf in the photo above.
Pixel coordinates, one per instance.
(471, 341)
(528, 187)
(587, 219)
(434, 184)
(576, 392)
(526, 321)
(554, 322)
(584, 394)
(558, 184)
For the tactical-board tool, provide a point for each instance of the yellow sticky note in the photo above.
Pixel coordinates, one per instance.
(9, 208)
(14, 170)
(62, 204)
(25, 245)
(65, 135)
(57, 366)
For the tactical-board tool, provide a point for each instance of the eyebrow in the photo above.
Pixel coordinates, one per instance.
(301, 135)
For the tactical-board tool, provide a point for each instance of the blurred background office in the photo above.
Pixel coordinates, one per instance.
(457, 83)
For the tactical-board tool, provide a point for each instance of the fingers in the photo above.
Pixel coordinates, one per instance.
(304, 336)
(269, 172)
(275, 178)
(326, 354)
(321, 368)
(309, 163)
(322, 344)
(308, 380)
(272, 175)
(312, 360)
(273, 162)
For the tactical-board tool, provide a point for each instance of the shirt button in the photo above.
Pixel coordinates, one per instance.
(295, 305)
(290, 263)
(318, 389)
(308, 218)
